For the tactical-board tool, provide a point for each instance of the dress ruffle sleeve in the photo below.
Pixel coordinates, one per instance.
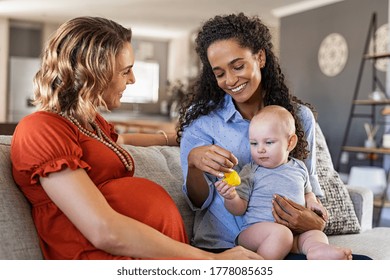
(50, 144)
(58, 164)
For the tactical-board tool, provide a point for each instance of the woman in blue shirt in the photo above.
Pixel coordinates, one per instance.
(240, 75)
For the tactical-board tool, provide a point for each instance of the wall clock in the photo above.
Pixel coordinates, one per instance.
(381, 46)
(333, 54)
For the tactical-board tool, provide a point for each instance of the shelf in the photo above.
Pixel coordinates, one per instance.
(376, 55)
(372, 102)
(366, 150)
(378, 203)
(371, 154)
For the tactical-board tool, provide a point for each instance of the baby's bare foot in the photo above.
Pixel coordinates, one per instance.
(328, 252)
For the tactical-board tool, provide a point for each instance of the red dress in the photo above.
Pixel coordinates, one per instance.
(45, 142)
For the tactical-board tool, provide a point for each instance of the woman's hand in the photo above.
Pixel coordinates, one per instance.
(212, 159)
(238, 253)
(296, 217)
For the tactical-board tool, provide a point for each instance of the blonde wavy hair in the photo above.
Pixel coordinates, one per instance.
(77, 66)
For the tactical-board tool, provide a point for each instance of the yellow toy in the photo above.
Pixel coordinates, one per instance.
(232, 178)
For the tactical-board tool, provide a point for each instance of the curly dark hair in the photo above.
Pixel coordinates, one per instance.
(204, 95)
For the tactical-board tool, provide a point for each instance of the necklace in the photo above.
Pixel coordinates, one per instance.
(103, 138)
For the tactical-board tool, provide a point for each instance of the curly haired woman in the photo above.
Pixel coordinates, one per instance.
(240, 75)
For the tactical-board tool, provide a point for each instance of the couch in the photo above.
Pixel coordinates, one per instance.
(351, 207)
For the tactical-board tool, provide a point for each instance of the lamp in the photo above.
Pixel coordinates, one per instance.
(371, 177)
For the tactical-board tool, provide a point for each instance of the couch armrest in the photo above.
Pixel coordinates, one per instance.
(363, 202)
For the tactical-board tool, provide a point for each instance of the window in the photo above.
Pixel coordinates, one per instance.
(145, 88)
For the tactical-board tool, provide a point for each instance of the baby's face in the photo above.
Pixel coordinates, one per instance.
(269, 143)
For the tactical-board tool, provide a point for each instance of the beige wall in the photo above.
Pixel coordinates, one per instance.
(178, 68)
(47, 30)
(4, 35)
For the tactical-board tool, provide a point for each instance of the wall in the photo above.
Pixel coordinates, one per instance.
(4, 27)
(26, 39)
(300, 37)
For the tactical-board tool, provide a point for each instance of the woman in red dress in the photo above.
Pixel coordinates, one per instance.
(86, 204)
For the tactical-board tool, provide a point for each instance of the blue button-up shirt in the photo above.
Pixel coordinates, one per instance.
(214, 226)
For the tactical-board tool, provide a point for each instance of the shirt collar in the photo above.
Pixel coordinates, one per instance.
(229, 111)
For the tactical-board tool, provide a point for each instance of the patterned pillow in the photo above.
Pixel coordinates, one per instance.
(342, 217)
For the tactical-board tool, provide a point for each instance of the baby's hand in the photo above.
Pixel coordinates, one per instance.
(225, 190)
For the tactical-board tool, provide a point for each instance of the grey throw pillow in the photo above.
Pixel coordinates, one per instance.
(342, 217)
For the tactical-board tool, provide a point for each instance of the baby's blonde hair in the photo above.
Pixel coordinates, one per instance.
(278, 115)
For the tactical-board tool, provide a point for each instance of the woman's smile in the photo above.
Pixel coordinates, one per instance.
(239, 88)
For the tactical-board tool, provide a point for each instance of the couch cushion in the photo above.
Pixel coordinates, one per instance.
(374, 243)
(161, 164)
(342, 217)
(19, 238)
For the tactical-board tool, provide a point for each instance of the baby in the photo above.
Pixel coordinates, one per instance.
(272, 171)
